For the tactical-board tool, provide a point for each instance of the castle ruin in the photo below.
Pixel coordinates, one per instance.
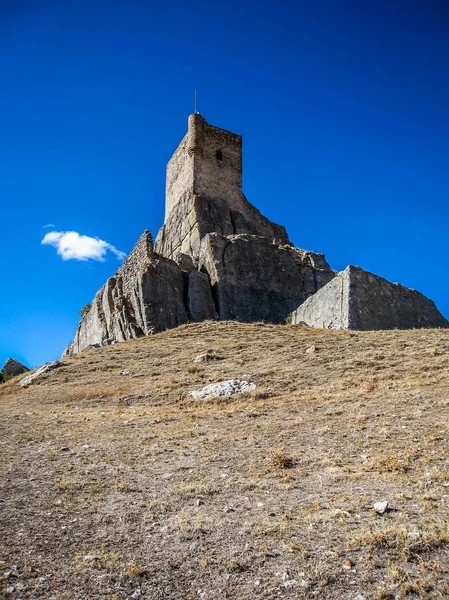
(217, 257)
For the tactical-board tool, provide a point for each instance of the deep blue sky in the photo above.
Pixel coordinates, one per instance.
(343, 108)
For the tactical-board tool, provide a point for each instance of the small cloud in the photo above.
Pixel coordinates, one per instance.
(48, 226)
(70, 245)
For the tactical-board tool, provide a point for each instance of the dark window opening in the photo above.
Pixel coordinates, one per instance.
(219, 155)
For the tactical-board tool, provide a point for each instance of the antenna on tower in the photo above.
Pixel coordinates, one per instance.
(194, 104)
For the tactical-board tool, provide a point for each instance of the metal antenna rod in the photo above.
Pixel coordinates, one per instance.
(195, 111)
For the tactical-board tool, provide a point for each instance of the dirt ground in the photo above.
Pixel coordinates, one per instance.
(116, 485)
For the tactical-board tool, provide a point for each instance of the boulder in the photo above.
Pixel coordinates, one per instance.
(357, 299)
(13, 367)
(185, 262)
(223, 388)
(255, 280)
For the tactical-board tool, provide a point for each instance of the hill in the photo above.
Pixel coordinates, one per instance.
(116, 484)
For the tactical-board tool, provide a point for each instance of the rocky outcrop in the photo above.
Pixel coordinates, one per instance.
(145, 296)
(241, 277)
(195, 216)
(13, 367)
(356, 299)
(47, 368)
(255, 280)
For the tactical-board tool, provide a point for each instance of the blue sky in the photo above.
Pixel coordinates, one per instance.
(343, 108)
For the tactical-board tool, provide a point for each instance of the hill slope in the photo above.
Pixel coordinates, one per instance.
(121, 486)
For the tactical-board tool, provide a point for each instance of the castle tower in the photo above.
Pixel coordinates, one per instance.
(208, 162)
(204, 194)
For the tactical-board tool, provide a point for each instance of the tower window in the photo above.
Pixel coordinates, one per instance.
(219, 155)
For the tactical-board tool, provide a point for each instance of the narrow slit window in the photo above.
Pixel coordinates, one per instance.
(219, 155)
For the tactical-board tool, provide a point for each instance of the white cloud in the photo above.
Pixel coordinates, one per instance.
(47, 226)
(70, 245)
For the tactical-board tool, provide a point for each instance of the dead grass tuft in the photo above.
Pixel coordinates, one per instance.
(408, 543)
(278, 459)
(368, 385)
(392, 462)
(135, 569)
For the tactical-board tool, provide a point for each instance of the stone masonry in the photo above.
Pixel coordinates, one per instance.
(356, 299)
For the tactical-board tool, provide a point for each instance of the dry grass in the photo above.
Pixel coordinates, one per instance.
(119, 486)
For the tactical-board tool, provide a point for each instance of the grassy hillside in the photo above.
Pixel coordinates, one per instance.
(120, 486)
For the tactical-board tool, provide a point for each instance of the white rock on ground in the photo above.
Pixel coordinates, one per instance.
(40, 371)
(381, 507)
(223, 388)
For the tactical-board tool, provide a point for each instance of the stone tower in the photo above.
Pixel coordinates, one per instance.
(204, 193)
(208, 162)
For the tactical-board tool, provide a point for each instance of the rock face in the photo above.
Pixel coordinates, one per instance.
(13, 367)
(145, 296)
(241, 277)
(356, 299)
(255, 280)
(194, 216)
(217, 257)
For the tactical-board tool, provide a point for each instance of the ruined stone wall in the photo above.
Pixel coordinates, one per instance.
(328, 308)
(375, 303)
(179, 176)
(136, 261)
(357, 299)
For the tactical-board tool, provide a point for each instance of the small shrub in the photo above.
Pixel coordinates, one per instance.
(368, 385)
(392, 462)
(86, 308)
(135, 569)
(279, 460)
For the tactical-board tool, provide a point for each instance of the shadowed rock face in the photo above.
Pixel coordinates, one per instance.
(356, 299)
(255, 280)
(13, 367)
